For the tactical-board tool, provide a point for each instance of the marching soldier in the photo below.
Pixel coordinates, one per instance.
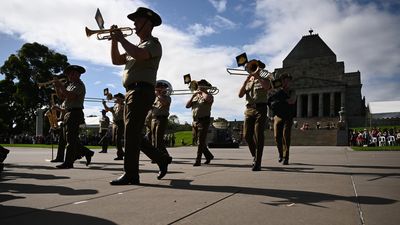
(282, 102)
(104, 124)
(118, 123)
(160, 113)
(73, 96)
(255, 89)
(139, 77)
(201, 102)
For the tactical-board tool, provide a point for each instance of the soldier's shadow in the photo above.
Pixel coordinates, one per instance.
(11, 215)
(287, 196)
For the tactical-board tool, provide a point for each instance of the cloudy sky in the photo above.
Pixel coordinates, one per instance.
(203, 37)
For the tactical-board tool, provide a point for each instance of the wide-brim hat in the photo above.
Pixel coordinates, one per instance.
(119, 95)
(147, 13)
(203, 82)
(160, 84)
(76, 68)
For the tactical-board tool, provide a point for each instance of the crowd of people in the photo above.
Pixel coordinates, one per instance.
(375, 137)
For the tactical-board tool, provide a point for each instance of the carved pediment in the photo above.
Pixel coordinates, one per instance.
(311, 82)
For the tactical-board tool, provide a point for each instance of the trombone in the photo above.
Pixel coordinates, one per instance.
(193, 86)
(105, 34)
(251, 68)
(91, 99)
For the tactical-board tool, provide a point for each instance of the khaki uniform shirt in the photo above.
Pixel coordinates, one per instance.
(255, 93)
(117, 112)
(104, 123)
(79, 89)
(159, 109)
(201, 108)
(143, 70)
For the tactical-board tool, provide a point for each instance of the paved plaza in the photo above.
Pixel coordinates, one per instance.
(322, 185)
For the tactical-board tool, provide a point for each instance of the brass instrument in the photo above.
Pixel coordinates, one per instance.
(52, 114)
(105, 34)
(169, 90)
(49, 83)
(193, 86)
(92, 99)
(106, 92)
(251, 68)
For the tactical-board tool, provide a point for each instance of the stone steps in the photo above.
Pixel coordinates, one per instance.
(322, 137)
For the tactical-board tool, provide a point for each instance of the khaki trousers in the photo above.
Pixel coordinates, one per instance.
(200, 126)
(158, 127)
(253, 131)
(138, 103)
(282, 131)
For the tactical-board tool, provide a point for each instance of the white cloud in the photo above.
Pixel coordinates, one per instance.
(199, 30)
(219, 5)
(223, 23)
(364, 37)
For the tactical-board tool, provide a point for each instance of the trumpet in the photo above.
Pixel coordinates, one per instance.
(49, 83)
(105, 34)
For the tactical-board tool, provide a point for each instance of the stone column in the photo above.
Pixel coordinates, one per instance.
(39, 122)
(320, 104)
(343, 99)
(309, 105)
(299, 106)
(332, 104)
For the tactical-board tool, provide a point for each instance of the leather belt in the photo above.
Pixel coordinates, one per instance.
(74, 109)
(201, 118)
(140, 84)
(256, 105)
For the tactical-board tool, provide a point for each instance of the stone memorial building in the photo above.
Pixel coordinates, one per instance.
(322, 85)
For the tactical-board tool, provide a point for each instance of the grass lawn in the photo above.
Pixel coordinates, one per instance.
(186, 136)
(42, 146)
(380, 148)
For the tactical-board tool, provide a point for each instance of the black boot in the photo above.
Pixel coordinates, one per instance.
(208, 160)
(88, 157)
(125, 179)
(163, 165)
(65, 166)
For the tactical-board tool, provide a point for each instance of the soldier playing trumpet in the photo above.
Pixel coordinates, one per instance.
(118, 123)
(73, 96)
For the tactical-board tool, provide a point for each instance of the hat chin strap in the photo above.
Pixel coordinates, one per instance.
(141, 28)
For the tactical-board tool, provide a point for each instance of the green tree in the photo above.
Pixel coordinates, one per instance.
(19, 94)
(173, 123)
(220, 119)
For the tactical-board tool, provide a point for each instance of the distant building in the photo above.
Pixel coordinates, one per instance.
(384, 113)
(322, 85)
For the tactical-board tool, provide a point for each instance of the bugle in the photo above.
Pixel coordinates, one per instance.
(105, 34)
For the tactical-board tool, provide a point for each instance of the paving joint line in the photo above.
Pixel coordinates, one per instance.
(360, 212)
(203, 208)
